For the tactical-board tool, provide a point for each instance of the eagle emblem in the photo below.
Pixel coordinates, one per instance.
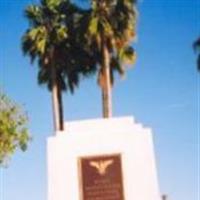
(101, 166)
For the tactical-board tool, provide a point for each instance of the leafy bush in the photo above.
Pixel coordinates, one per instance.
(13, 129)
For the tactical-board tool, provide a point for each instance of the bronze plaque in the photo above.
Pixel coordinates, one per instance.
(101, 177)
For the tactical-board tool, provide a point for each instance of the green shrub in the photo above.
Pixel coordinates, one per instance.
(13, 129)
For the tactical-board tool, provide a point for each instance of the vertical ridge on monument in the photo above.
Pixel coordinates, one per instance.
(102, 159)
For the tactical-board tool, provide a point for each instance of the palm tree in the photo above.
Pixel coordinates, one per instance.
(111, 28)
(197, 48)
(46, 42)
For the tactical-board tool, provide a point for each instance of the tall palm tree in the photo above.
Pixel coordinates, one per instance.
(197, 48)
(111, 28)
(45, 41)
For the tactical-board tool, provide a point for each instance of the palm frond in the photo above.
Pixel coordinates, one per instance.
(127, 55)
(196, 46)
(34, 14)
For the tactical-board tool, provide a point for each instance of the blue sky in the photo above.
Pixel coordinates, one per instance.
(161, 91)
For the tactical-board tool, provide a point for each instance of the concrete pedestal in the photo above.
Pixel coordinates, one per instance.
(103, 137)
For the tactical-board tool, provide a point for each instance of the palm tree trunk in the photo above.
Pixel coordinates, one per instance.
(55, 101)
(106, 89)
(60, 104)
(57, 105)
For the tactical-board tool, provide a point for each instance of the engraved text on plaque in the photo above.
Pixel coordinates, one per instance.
(101, 177)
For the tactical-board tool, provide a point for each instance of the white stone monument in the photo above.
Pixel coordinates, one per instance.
(102, 159)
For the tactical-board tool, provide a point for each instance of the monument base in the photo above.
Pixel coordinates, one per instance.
(102, 159)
